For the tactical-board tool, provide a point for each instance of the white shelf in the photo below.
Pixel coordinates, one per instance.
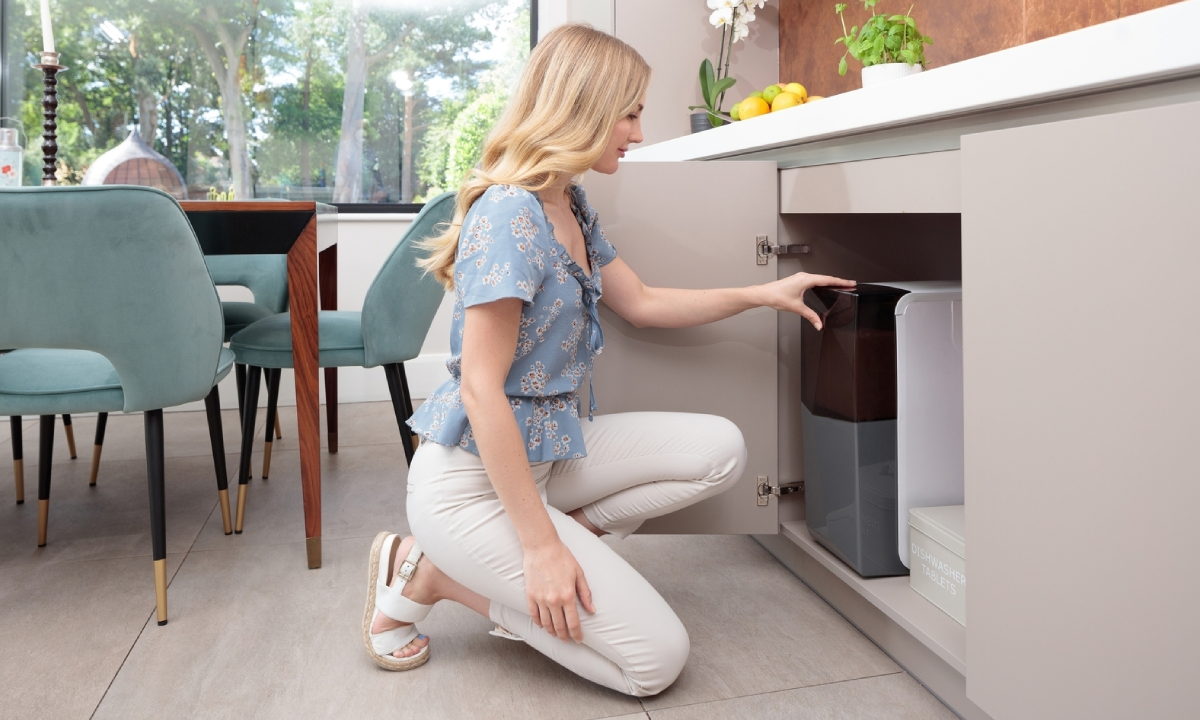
(1057, 78)
(892, 595)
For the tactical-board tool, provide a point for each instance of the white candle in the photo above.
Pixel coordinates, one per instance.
(47, 32)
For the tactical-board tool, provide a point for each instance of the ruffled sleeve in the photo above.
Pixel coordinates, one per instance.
(501, 250)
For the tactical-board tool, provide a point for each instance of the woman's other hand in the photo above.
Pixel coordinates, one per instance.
(553, 579)
(788, 293)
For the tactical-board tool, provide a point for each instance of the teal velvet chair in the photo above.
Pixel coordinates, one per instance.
(108, 300)
(396, 315)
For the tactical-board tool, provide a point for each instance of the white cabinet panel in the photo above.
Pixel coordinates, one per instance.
(927, 183)
(693, 225)
(1080, 257)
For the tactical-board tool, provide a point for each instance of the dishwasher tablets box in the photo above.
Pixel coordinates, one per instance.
(937, 557)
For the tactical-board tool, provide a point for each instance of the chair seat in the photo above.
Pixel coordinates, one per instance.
(39, 381)
(268, 343)
(239, 315)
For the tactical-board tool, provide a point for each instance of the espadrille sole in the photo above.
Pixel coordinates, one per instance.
(384, 661)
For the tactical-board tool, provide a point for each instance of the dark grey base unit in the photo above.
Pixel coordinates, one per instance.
(850, 491)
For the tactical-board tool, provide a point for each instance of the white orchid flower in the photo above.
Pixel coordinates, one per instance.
(740, 30)
(721, 16)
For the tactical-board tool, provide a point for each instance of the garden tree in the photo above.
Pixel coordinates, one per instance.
(455, 139)
(223, 30)
(418, 40)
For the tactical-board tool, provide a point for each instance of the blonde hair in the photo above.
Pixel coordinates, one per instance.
(577, 84)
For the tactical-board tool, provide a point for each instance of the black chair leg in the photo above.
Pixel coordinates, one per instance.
(18, 450)
(239, 374)
(272, 417)
(253, 378)
(70, 432)
(331, 408)
(216, 437)
(45, 463)
(98, 447)
(156, 476)
(401, 405)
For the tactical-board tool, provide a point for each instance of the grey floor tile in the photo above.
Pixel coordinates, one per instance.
(111, 519)
(754, 626)
(887, 697)
(254, 634)
(362, 492)
(67, 629)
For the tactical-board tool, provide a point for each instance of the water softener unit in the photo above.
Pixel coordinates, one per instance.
(858, 481)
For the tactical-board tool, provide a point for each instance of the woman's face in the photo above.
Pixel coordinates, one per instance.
(627, 131)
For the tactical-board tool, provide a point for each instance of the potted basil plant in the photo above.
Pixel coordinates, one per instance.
(889, 47)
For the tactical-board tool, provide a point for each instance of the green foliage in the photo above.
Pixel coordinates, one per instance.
(882, 39)
(713, 91)
(291, 78)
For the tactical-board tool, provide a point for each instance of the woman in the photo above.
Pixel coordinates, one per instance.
(510, 491)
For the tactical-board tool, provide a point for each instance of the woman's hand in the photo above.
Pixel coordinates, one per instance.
(788, 293)
(553, 579)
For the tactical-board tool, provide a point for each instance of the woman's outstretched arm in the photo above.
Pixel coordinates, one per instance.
(553, 578)
(645, 306)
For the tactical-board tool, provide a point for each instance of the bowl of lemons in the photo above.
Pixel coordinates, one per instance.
(774, 98)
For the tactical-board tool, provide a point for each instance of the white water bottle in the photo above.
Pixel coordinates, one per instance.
(12, 158)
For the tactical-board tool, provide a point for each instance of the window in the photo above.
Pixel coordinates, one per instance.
(346, 101)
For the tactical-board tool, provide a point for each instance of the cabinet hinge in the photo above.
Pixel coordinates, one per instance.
(764, 249)
(766, 489)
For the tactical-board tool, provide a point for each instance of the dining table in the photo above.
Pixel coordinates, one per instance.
(306, 232)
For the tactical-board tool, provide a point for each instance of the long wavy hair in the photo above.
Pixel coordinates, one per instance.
(577, 84)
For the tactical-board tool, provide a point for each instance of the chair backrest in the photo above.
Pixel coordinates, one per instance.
(264, 275)
(402, 301)
(116, 270)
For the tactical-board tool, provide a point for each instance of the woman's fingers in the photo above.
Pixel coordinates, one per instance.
(584, 592)
(559, 618)
(831, 281)
(547, 616)
(534, 613)
(574, 627)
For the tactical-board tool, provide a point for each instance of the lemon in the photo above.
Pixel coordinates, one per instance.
(813, 98)
(733, 112)
(785, 100)
(752, 107)
(770, 93)
(797, 89)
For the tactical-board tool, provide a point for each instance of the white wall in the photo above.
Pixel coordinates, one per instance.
(364, 243)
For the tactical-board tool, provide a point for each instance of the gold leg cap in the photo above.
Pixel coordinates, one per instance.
(70, 430)
(226, 523)
(266, 459)
(160, 589)
(43, 521)
(19, 480)
(241, 509)
(96, 450)
(313, 545)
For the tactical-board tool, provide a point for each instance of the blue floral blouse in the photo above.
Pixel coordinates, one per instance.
(507, 249)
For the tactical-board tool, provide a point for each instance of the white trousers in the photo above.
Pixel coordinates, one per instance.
(639, 466)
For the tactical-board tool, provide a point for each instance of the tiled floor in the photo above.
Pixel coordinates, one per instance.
(254, 634)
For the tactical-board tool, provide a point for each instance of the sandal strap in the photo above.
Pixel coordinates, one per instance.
(389, 641)
(389, 600)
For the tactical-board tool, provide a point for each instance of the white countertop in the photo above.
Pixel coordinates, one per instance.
(1148, 49)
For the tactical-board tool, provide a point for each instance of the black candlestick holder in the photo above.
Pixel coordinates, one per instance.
(50, 68)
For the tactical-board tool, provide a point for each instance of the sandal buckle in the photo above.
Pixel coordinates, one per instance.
(406, 570)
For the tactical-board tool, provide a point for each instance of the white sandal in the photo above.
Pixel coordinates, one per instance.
(389, 601)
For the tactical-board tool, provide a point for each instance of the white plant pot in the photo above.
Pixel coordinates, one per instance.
(876, 74)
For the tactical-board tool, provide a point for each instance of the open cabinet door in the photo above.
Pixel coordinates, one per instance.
(693, 225)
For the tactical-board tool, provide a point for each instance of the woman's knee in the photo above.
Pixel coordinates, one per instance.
(726, 448)
(669, 647)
